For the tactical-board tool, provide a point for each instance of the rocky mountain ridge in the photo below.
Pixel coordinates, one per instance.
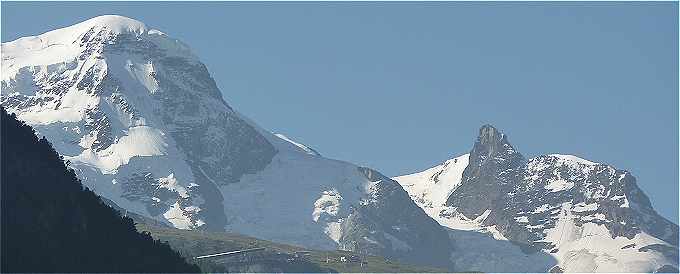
(588, 216)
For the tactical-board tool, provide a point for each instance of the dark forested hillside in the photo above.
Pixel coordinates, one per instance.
(50, 223)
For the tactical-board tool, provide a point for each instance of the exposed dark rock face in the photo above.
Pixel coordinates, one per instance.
(138, 186)
(212, 140)
(390, 224)
(494, 168)
(98, 124)
(595, 193)
(527, 198)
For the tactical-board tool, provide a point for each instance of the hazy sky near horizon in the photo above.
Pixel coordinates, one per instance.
(401, 87)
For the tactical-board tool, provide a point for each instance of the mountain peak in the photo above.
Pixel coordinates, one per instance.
(488, 134)
(491, 141)
(115, 23)
(133, 108)
(92, 37)
(487, 127)
(481, 185)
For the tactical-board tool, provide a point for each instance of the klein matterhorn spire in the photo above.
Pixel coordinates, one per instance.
(481, 186)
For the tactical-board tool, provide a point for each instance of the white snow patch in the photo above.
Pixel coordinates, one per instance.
(176, 217)
(170, 182)
(619, 197)
(522, 219)
(433, 186)
(581, 207)
(71, 109)
(48, 116)
(559, 185)
(328, 203)
(303, 147)
(199, 223)
(596, 216)
(334, 230)
(139, 141)
(572, 158)
(542, 208)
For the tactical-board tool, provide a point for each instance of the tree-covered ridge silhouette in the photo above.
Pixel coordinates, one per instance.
(51, 223)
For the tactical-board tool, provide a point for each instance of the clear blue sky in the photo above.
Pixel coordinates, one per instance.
(403, 86)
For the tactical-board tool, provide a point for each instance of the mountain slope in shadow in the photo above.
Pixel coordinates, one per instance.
(50, 223)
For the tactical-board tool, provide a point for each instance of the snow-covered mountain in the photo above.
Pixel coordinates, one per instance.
(142, 122)
(136, 114)
(552, 212)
